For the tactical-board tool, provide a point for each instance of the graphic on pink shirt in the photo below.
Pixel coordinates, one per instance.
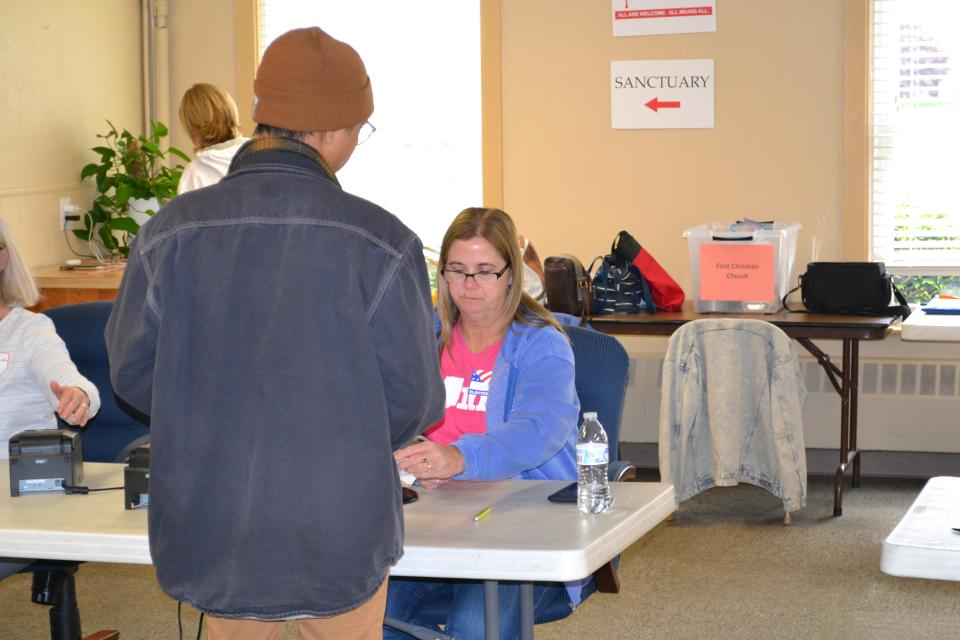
(466, 376)
(474, 395)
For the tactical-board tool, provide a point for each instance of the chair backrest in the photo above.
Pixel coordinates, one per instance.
(116, 425)
(601, 378)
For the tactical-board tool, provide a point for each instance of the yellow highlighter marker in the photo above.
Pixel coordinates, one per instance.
(483, 514)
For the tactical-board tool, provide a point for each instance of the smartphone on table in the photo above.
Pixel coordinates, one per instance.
(567, 494)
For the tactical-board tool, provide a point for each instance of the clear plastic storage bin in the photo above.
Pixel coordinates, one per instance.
(741, 271)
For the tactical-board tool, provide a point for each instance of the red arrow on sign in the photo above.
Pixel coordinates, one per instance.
(656, 104)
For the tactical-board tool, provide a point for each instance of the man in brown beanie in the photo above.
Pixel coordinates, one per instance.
(279, 332)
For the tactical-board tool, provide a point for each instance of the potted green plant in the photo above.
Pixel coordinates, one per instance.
(132, 175)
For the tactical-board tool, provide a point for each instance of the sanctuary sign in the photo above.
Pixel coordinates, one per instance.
(661, 94)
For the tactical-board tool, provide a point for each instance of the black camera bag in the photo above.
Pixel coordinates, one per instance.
(852, 288)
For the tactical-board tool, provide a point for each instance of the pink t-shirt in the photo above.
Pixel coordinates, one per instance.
(467, 377)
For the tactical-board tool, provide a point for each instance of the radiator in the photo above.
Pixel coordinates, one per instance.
(904, 405)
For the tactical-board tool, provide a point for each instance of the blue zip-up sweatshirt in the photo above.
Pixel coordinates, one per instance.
(532, 414)
(532, 411)
(277, 330)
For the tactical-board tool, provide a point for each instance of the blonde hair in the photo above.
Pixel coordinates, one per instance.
(209, 114)
(17, 288)
(497, 228)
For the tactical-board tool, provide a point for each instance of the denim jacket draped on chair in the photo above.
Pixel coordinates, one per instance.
(731, 410)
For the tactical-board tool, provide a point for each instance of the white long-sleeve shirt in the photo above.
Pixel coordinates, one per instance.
(31, 356)
(210, 165)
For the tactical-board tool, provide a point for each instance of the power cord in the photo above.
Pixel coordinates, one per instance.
(66, 236)
(81, 490)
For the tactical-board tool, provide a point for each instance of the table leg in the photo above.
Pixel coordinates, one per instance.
(844, 430)
(491, 610)
(854, 396)
(848, 387)
(526, 611)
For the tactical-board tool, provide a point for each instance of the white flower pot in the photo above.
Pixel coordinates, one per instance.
(137, 208)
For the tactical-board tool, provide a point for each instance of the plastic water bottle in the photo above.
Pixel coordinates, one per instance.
(593, 454)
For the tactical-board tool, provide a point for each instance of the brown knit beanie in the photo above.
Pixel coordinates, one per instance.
(308, 81)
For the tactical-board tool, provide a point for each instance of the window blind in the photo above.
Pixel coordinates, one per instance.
(915, 103)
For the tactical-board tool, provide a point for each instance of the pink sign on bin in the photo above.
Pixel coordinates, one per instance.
(743, 272)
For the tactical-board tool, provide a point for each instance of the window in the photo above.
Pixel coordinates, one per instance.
(915, 186)
(424, 164)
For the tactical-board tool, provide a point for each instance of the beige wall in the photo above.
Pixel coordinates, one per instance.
(775, 152)
(65, 68)
(202, 49)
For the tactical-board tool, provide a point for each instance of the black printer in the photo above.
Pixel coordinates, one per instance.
(136, 478)
(45, 460)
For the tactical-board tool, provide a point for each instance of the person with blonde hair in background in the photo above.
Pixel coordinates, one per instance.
(37, 377)
(210, 116)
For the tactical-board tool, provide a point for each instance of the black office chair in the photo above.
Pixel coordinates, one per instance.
(108, 437)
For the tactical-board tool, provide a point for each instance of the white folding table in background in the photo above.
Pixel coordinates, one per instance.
(525, 538)
(930, 327)
(924, 543)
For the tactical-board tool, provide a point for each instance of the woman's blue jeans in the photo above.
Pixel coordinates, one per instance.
(459, 604)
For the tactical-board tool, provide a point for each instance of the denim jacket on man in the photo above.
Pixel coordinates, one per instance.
(278, 332)
(731, 410)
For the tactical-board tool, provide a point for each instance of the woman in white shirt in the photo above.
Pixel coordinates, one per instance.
(37, 377)
(210, 116)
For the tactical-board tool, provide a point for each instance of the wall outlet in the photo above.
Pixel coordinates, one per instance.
(70, 215)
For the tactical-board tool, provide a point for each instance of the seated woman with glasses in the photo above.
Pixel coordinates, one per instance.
(511, 410)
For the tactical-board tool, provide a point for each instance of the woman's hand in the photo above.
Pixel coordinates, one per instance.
(431, 462)
(73, 405)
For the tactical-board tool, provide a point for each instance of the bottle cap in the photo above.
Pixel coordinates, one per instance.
(589, 415)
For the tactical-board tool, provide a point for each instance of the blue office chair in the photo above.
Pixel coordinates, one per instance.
(108, 435)
(601, 378)
(601, 365)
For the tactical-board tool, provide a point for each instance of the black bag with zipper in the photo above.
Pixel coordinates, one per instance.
(851, 288)
(568, 287)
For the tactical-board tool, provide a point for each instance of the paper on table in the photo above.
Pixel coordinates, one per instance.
(406, 478)
(946, 305)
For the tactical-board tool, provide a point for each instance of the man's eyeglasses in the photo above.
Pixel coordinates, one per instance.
(366, 130)
(455, 276)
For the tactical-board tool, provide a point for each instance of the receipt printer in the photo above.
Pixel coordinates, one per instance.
(45, 460)
(136, 478)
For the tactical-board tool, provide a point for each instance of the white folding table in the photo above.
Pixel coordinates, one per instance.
(525, 538)
(924, 544)
(930, 327)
